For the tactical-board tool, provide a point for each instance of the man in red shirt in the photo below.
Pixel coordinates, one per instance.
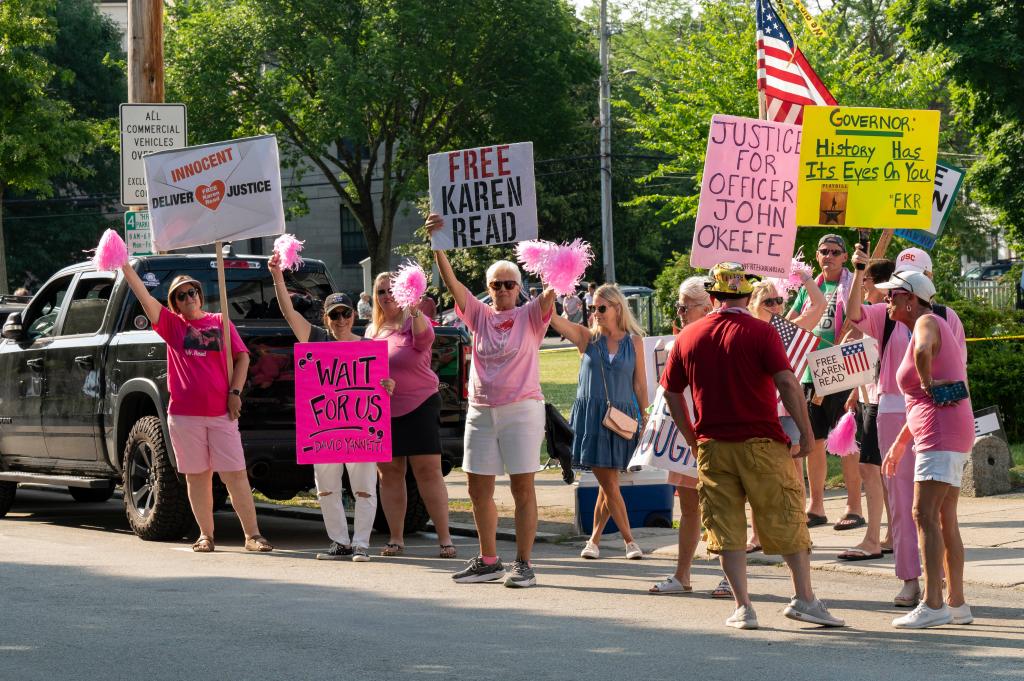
(733, 364)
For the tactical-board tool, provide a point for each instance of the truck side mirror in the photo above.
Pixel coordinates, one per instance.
(12, 327)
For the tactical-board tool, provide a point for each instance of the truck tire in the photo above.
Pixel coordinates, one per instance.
(155, 500)
(7, 492)
(91, 495)
(416, 516)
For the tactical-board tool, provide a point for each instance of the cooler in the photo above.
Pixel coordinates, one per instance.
(648, 497)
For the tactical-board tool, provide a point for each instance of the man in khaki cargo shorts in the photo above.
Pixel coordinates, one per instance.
(734, 363)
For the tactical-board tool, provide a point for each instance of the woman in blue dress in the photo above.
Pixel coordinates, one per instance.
(611, 371)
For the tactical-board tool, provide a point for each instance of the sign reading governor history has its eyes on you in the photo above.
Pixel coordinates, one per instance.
(747, 211)
(342, 413)
(486, 196)
(215, 192)
(864, 167)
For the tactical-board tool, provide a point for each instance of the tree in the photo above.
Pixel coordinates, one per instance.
(39, 136)
(364, 90)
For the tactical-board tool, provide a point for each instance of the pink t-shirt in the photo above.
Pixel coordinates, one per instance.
(505, 361)
(196, 373)
(409, 365)
(948, 429)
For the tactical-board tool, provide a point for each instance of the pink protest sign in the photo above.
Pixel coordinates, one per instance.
(342, 413)
(747, 211)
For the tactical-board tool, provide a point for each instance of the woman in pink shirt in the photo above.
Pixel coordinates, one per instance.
(943, 434)
(415, 418)
(505, 423)
(205, 403)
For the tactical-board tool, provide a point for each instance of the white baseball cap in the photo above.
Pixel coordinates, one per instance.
(913, 260)
(910, 280)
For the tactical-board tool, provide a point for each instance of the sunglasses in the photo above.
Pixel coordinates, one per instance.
(774, 301)
(836, 252)
(682, 309)
(338, 313)
(509, 285)
(895, 292)
(597, 308)
(180, 296)
(381, 292)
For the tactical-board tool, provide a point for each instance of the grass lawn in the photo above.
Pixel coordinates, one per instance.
(559, 370)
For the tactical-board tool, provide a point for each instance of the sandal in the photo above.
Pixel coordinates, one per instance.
(392, 550)
(448, 551)
(671, 585)
(203, 545)
(753, 548)
(258, 543)
(850, 521)
(723, 590)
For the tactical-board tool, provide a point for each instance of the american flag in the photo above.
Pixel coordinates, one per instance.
(855, 358)
(783, 74)
(797, 341)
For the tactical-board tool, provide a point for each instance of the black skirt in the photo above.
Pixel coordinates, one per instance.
(419, 431)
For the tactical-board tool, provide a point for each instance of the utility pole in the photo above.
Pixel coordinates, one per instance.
(607, 239)
(145, 51)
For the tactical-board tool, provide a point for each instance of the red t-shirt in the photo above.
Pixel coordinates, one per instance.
(728, 360)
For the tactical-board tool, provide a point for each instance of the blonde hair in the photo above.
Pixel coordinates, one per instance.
(627, 322)
(762, 289)
(377, 317)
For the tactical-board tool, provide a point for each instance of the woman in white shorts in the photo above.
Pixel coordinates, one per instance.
(505, 423)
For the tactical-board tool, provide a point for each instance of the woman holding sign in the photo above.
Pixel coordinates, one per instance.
(611, 373)
(505, 423)
(339, 314)
(205, 403)
(415, 417)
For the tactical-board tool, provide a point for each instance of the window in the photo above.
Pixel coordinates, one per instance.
(41, 317)
(353, 243)
(87, 306)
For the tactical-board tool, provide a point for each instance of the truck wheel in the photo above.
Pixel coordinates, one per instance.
(7, 492)
(155, 500)
(91, 495)
(416, 516)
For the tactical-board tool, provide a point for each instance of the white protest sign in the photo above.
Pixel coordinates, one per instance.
(485, 195)
(656, 349)
(661, 444)
(842, 367)
(215, 192)
(147, 129)
(947, 184)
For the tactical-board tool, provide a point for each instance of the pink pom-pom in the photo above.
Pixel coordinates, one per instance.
(532, 254)
(408, 285)
(842, 441)
(287, 248)
(566, 265)
(111, 253)
(798, 271)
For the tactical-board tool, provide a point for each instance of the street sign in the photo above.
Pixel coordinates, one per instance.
(146, 128)
(137, 234)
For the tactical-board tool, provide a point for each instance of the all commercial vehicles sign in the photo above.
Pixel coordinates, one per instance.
(145, 129)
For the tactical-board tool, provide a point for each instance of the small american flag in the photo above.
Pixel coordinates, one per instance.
(783, 74)
(855, 358)
(797, 341)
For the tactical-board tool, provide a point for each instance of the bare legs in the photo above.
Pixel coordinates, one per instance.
(426, 469)
(689, 532)
(200, 496)
(610, 502)
(939, 533)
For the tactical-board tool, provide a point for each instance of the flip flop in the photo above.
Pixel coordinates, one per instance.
(850, 521)
(886, 551)
(855, 554)
(670, 586)
(723, 590)
(753, 548)
(814, 520)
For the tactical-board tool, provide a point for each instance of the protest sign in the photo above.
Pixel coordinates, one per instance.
(747, 210)
(661, 444)
(486, 196)
(342, 413)
(215, 192)
(842, 367)
(987, 421)
(656, 349)
(864, 167)
(947, 184)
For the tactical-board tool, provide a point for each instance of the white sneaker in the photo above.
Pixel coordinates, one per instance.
(633, 551)
(961, 614)
(591, 551)
(360, 554)
(922, 617)
(743, 618)
(814, 612)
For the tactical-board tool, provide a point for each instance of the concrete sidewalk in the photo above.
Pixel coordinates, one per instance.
(992, 530)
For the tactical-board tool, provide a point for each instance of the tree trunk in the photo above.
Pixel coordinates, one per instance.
(3, 249)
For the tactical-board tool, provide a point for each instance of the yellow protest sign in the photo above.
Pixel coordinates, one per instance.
(809, 19)
(862, 167)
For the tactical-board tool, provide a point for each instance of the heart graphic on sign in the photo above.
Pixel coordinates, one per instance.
(210, 195)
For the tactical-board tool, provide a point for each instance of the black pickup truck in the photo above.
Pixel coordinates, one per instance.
(83, 389)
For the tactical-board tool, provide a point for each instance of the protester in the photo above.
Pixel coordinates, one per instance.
(611, 374)
(943, 433)
(362, 477)
(835, 282)
(693, 304)
(572, 308)
(734, 363)
(363, 307)
(588, 297)
(21, 291)
(894, 338)
(205, 403)
(415, 418)
(505, 421)
(428, 306)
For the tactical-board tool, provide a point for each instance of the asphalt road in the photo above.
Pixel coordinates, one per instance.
(82, 598)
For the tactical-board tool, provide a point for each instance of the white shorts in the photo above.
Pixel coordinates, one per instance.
(940, 466)
(505, 438)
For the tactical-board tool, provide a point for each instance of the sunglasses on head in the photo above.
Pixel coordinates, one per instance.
(597, 308)
(180, 296)
(509, 285)
(774, 301)
(831, 251)
(339, 312)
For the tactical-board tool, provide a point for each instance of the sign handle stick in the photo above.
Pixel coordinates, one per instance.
(224, 314)
(883, 243)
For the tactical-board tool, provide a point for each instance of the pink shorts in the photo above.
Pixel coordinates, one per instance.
(204, 443)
